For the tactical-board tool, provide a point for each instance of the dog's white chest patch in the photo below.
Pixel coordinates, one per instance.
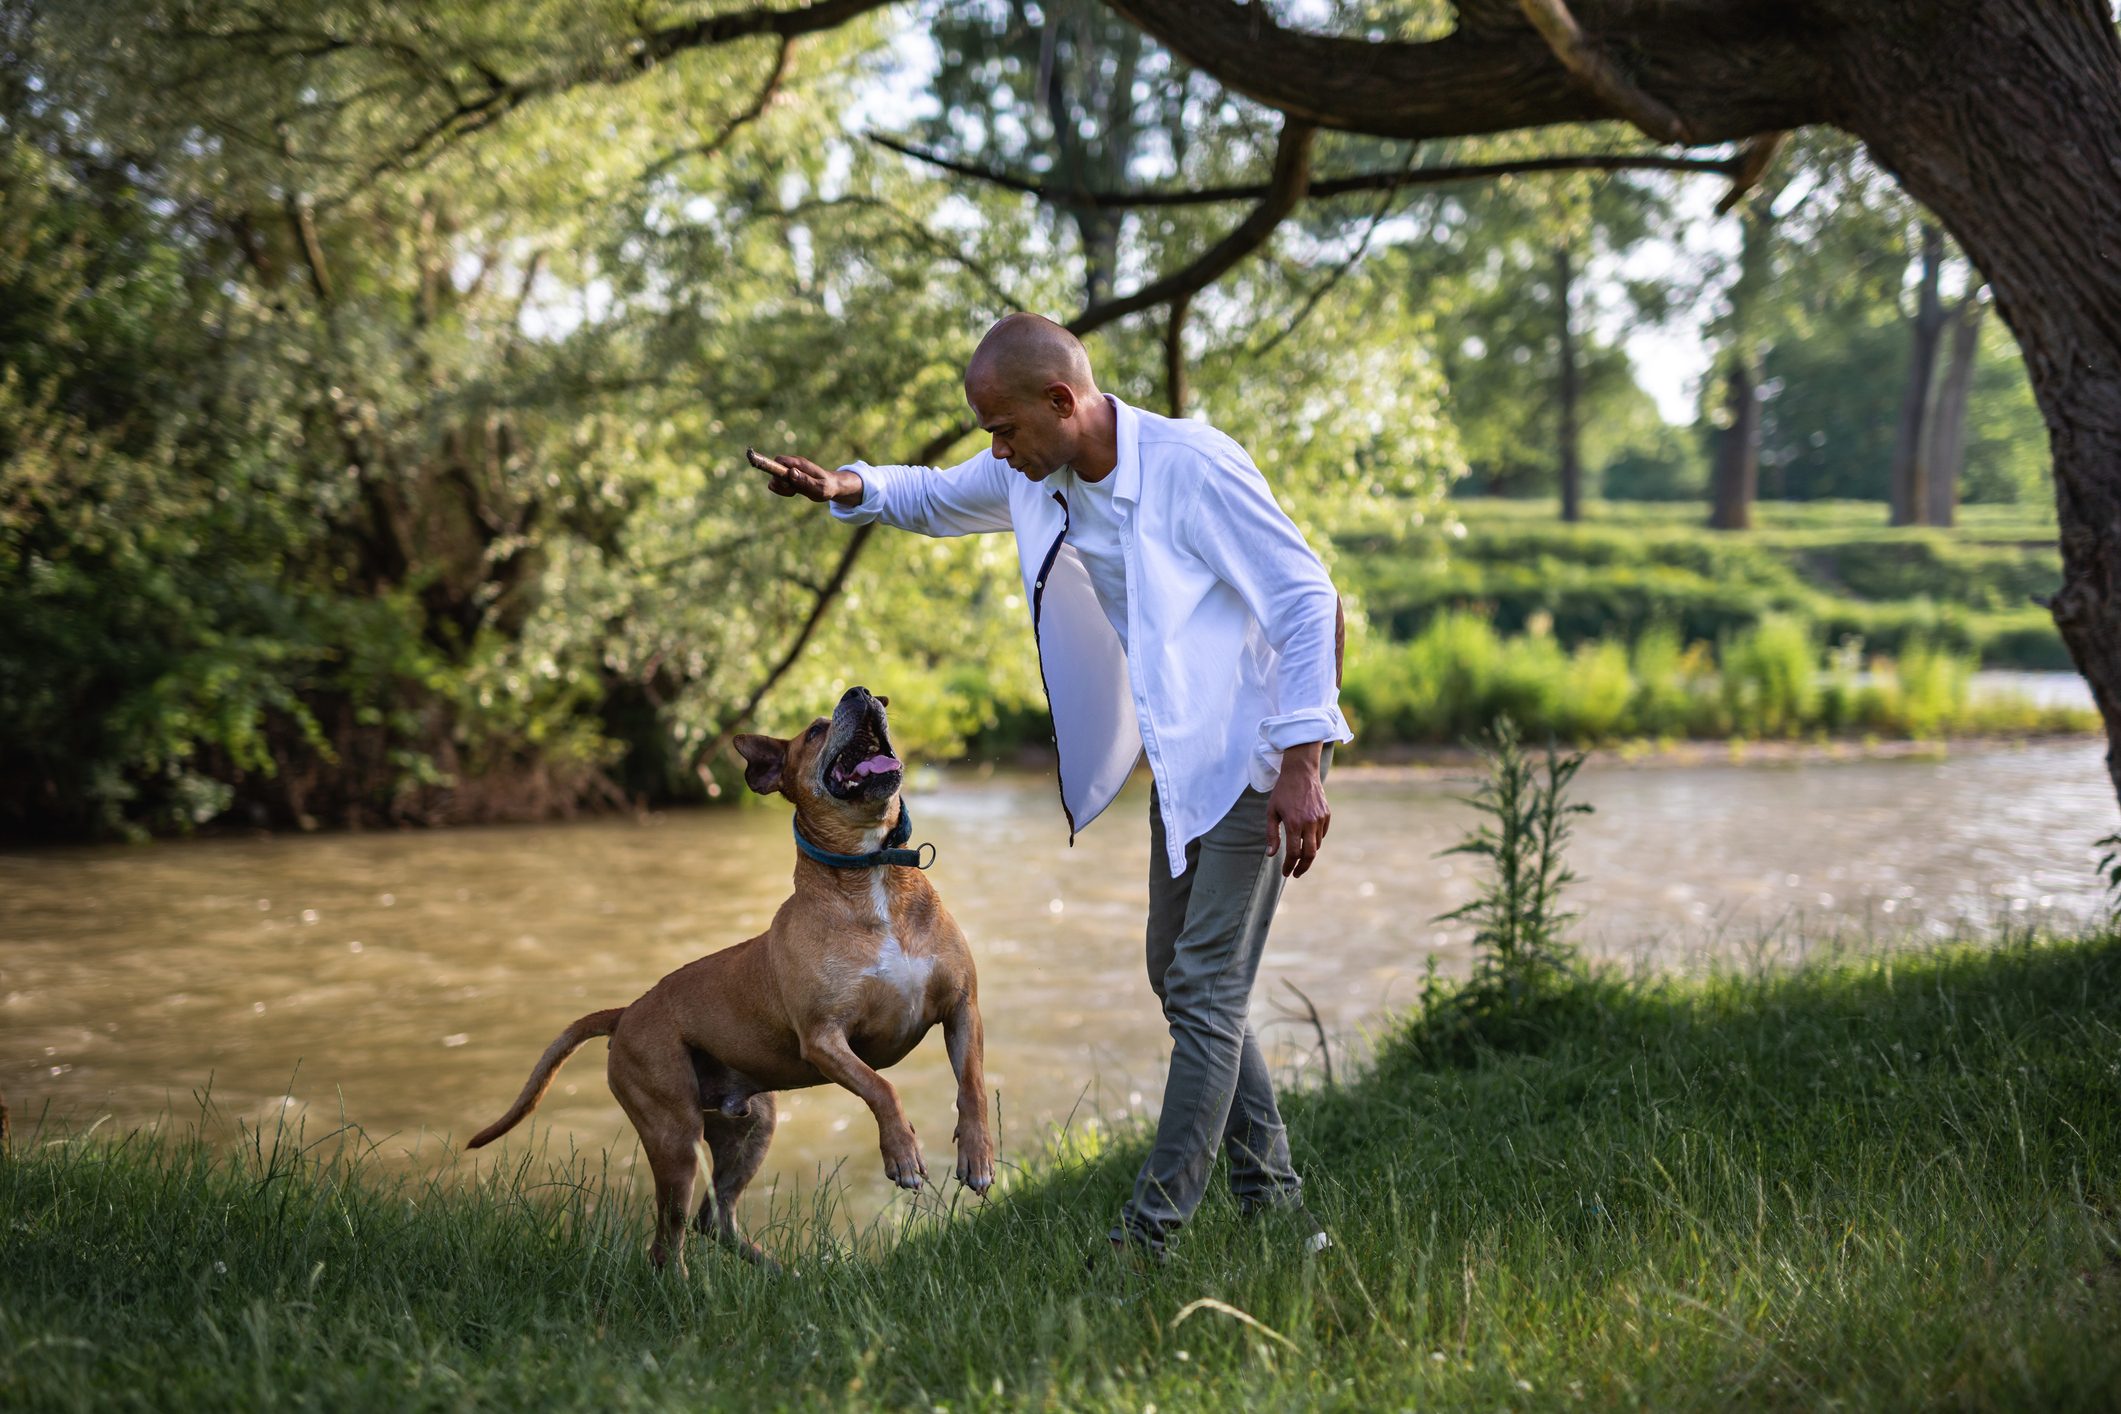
(894, 966)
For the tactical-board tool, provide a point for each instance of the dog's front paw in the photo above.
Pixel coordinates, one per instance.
(975, 1161)
(902, 1161)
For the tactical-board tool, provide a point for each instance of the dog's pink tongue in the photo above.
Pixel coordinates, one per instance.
(876, 766)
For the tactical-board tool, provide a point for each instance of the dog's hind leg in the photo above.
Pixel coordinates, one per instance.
(657, 1092)
(739, 1147)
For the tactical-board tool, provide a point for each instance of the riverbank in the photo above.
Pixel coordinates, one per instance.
(1421, 762)
(1884, 1182)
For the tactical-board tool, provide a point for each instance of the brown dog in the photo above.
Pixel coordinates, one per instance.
(858, 964)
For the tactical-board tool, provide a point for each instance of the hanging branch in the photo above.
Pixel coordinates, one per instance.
(1292, 166)
(1326, 286)
(1320, 187)
(708, 150)
(472, 108)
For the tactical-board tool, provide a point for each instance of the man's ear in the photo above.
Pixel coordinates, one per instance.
(1063, 399)
(763, 756)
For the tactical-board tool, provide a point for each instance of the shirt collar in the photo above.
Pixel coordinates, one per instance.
(1127, 430)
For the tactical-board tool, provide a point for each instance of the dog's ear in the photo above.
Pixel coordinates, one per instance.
(763, 756)
(882, 701)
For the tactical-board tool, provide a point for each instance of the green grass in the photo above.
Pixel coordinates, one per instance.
(1630, 566)
(1886, 1182)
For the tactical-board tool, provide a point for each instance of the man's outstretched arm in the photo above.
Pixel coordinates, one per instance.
(965, 499)
(800, 476)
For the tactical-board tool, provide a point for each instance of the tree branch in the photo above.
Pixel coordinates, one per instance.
(1325, 286)
(1715, 63)
(1596, 71)
(502, 96)
(304, 226)
(1754, 157)
(1292, 168)
(1320, 187)
(707, 150)
(912, 230)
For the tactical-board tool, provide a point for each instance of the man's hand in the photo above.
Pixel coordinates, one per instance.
(1298, 808)
(799, 476)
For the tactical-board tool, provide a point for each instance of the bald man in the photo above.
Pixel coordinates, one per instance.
(1178, 614)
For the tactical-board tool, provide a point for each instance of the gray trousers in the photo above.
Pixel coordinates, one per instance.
(1207, 930)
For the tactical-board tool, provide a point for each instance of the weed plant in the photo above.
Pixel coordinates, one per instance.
(1522, 958)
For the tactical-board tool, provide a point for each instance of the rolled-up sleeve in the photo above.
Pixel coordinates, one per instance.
(965, 499)
(1238, 529)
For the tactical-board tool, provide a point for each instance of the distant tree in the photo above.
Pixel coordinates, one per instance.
(1911, 471)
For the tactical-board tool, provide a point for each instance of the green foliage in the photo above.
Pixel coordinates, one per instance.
(386, 470)
(1459, 674)
(1770, 678)
(1631, 568)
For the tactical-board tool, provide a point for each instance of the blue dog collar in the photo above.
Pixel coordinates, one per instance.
(891, 853)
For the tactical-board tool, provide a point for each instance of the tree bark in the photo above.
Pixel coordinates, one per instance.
(1910, 474)
(2007, 124)
(1945, 442)
(1175, 355)
(1569, 459)
(1737, 472)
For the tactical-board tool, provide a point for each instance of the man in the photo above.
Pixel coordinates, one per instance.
(1178, 612)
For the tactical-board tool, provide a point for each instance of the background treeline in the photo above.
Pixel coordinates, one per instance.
(373, 383)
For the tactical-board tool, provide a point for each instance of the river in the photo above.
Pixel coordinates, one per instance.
(406, 981)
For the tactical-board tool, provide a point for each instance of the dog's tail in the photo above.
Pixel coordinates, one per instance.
(597, 1023)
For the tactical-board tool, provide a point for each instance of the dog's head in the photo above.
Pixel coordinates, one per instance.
(839, 771)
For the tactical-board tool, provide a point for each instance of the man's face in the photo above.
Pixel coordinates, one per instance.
(1035, 434)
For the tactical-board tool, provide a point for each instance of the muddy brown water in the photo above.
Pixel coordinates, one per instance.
(407, 981)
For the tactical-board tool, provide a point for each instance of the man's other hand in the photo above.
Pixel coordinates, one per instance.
(1297, 810)
(799, 476)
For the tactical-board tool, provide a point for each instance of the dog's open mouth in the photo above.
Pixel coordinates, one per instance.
(863, 764)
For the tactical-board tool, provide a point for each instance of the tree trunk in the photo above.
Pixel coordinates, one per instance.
(1910, 478)
(2008, 125)
(1737, 473)
(1945, 442)
(1175, 355)
(1570, 460)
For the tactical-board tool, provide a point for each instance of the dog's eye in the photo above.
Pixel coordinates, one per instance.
(817, 729)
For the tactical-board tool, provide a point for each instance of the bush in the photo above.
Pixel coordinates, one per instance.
(1636, 568)
(1459, 675)
(1770, 679)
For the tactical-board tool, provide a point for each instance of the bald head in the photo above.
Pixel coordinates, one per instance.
(1029, 385)
(1025, 354)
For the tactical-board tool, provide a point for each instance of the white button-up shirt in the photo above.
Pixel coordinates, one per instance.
(1228, 658)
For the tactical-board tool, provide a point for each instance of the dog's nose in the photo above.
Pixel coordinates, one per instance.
(855, 696)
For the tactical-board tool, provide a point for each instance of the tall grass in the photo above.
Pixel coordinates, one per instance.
(1771, 680)
(1880, 1183)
